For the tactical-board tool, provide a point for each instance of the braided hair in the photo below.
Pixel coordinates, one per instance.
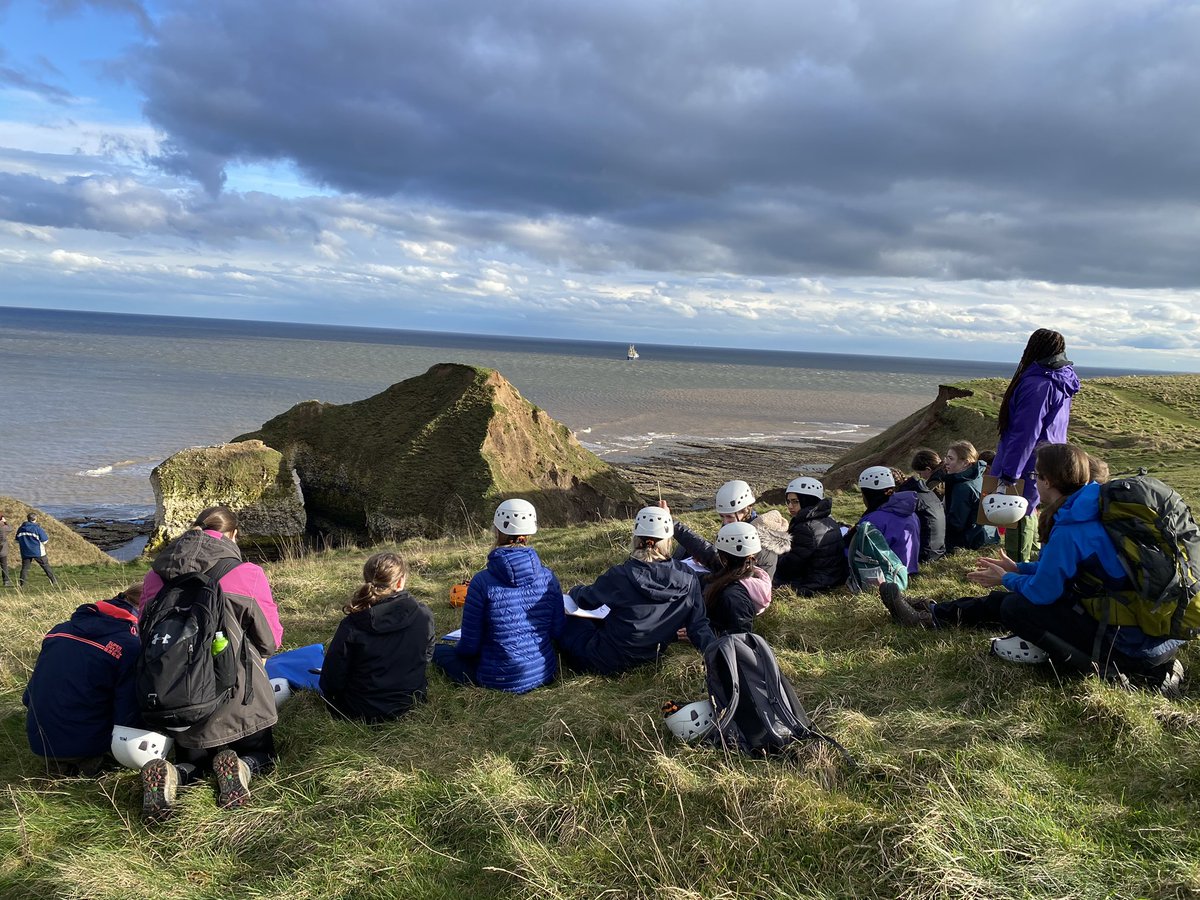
(1042, 344)
(381, 573)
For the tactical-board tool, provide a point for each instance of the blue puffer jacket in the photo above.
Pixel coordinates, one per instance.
(82, 684)
(513, 613)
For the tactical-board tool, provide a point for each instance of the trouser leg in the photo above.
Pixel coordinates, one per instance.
(4, 570)
(26, 562)
(970, 612)
(1019, 539)
(44, 563)
(458, 668)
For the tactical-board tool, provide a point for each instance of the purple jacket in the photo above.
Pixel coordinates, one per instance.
(897, 520)
(1038, 413)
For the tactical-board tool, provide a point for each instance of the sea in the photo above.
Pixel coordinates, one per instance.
(93, 401)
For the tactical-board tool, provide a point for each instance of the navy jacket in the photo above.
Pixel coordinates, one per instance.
(82, 683)
(30, 537)
(374, 669)
(817, 560)
(649, 603)
(962, 506)
(931, 513)
(513, 613)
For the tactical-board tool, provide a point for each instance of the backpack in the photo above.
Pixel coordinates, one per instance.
(755, 708)
(870, 557)
(180, 678)
(1158, 543)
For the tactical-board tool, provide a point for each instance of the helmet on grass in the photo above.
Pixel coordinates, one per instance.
(283, 691)
(134, 747)
(688, 722)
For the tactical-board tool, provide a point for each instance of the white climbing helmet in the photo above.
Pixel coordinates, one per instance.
(1004, 509)
(738, 539)
(515, 516)
(134, 747)
(876, 478)
(809, 486)
(691, 721)
(653, 522)
(283, 691)
(733, 496)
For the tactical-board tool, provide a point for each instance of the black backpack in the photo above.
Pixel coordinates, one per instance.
(179, 679)
(755, 708)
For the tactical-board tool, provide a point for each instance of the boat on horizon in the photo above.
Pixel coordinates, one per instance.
(632, 354)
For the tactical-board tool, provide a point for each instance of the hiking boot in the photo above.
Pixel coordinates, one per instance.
(159, 783)
(905, 612)
(233, 780)
(1015, 648)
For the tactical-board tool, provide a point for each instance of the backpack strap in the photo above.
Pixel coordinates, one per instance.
(214, 574)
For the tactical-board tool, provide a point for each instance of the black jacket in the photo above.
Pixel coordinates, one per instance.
(932, 516)
(374, 669)
(734, 611)
(817, 560)
(650, 602)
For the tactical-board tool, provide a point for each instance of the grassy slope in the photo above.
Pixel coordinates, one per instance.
(65, 548)
(976, 778)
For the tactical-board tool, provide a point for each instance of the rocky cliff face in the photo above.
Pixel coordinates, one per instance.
(249, 477)
(435, 454)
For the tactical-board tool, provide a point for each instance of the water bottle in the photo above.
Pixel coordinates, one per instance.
(220, 642)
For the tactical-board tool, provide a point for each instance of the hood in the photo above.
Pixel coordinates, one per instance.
(103, 616)
(1059, 370)
(515, 565)
(773, 532)
(819, 510)
(393, 613)
(1081, 506)
(758, 586)
(914, 484)
(194, 551)
(901, 503)
(972, 472)
(661, 582)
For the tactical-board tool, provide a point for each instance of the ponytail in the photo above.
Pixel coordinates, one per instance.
(381, 573)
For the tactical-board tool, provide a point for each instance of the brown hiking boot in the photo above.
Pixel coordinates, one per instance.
(159, 783)
(233, 780)
(903, 612)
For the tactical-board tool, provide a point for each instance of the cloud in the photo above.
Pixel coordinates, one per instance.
(965, 142)
(19, 79)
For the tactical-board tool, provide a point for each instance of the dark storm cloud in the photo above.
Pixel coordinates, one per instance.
(950, 140)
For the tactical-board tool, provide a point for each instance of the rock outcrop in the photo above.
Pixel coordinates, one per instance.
(66, 548)
(435, 454)
(249, 477)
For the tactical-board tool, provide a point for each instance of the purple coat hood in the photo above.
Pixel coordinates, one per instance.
(897, 520)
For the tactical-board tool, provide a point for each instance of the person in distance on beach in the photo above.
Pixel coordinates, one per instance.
(32, 539)
(1036, 410)
(512, 615)
(735, 503)
(816, 561)
(735, 588)
(82, 685)
(1053, 606)
(236, 741)
(962, 475)
(374, 669)
(650, 597)
(5, 531)
(931, 513)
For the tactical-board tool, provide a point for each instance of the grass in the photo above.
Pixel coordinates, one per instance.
(975, 778)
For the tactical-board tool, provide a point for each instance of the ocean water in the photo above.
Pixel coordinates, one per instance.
(93, 401)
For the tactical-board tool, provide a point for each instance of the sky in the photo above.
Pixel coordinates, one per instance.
(929, 178)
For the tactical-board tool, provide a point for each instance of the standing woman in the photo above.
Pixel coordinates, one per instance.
(235, 742)
(1035, 410)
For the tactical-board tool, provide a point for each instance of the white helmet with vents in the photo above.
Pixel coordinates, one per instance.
(808, 486)
(738, 539)
(691, 721)
(134, 747)
(283, 691)
(515, 517)
(1004, 509)
(877, 478)
(733, 497)
(653, 522)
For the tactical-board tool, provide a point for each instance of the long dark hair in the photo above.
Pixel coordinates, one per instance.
(1042, 343)
(733, 568)
(1066, 468)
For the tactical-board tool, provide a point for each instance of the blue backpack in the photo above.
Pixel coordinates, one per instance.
(870, 558)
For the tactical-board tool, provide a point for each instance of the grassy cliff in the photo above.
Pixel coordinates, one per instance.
(66, 548)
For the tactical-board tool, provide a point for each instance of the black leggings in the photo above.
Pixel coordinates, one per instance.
(1063, 629)
(257, 751)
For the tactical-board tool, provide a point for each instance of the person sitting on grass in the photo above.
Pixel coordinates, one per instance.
(736, 590)
(931, 513)
(1054, 614)
(735, 503)
(894, 514)
(816, 561)
(82, 685)
(962, 474)
(374, 670)
(650, 597)
(512, 615)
